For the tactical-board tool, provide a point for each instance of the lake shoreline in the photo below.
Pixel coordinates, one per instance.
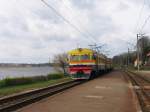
(26, 65)
(26, 71)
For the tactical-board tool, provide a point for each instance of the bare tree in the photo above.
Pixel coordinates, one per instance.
(60, 61)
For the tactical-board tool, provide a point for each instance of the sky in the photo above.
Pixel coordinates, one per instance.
(31, 32)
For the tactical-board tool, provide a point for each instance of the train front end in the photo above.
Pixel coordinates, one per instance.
(81, 63)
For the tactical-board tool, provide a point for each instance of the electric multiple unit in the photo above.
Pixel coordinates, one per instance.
(86, 63)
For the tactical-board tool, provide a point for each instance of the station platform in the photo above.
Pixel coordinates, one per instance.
(108, 93)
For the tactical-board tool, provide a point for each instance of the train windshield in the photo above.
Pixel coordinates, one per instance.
(85, 57)
(79, 57)
(74, 57)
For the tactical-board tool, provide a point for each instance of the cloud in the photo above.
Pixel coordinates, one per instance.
(31, 32)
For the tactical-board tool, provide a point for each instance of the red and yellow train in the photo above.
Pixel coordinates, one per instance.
(86, 63)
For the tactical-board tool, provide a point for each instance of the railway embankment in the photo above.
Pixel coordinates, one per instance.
(144, 73)
(141, 85)
(11, 86)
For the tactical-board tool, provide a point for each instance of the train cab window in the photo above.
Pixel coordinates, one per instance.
(74, 57)
(85, 57)
(94, 57)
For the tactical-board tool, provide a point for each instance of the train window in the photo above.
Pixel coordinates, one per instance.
(94, 57)
(74, 58)
(85, 57)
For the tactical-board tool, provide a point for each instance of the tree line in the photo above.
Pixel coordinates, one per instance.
(128, 58)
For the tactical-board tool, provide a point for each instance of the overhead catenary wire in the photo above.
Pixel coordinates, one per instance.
(145, 22)
(140, 14)
(67, 21)
(93, 46)
(70, 9)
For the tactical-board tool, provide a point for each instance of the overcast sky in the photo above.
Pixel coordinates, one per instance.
(30, 32)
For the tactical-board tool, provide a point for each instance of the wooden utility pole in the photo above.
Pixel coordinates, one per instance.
(138, 66)
(128, 58)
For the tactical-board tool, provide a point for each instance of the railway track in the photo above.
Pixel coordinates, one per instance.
(12, 103)
(142, 87)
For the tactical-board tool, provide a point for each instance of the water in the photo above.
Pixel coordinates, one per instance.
(25, 71)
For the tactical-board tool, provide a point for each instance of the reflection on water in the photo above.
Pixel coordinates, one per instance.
(24, 71)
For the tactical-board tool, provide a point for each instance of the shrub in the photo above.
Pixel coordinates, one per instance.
(39, 78)
(17, 81)
(2, 83)
(55, 76)
(28, 80)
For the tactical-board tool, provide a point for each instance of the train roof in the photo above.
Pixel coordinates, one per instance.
(81, 51)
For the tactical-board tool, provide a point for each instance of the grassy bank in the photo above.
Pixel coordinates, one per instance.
(10, 86)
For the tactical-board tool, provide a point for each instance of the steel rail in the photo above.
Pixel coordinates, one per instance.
(139, 83)
(12, 103)
(142, 77)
